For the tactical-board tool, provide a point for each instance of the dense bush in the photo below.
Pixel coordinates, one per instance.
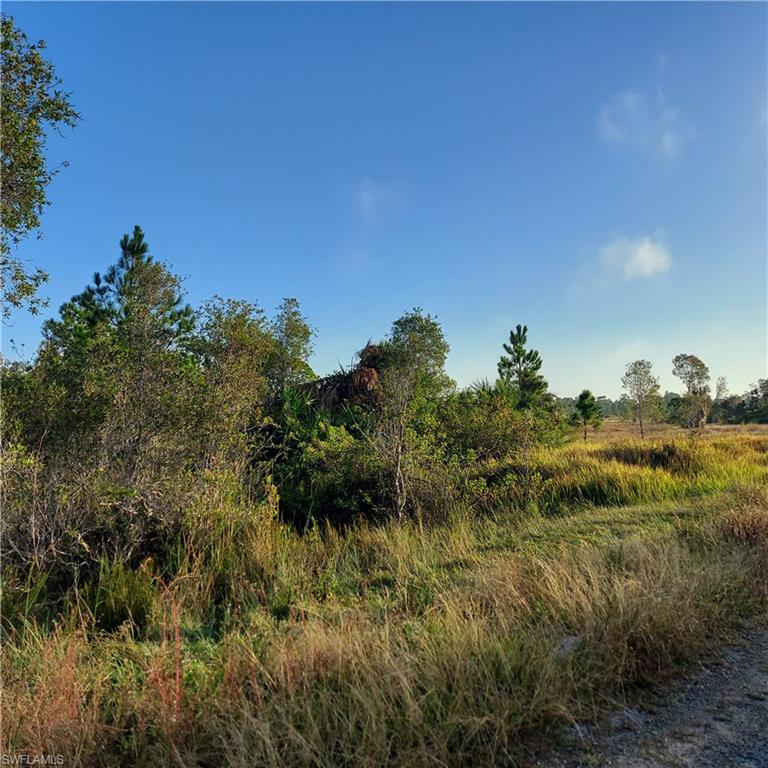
(483, 422)
(322, 471)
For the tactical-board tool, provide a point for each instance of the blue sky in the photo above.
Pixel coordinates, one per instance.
(597, 171)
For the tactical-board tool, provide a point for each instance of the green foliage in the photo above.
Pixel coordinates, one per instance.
(119, 596)
(413, 367)
(126, 407)
(22, 600)
(413, 384)
(482, 422)
(155, 457)
(693, 373)
(521, 366)
(416, 342)
(117, 366)
(697, 403)
(288, 364)
(322, 472)
(31, 104)
(755, 403)
(587, 411)
(643, 391)
(620, 408)
(749, 408)
(233, 346)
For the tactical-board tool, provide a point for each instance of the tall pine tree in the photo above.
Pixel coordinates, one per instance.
(521, 366)
(120, 352)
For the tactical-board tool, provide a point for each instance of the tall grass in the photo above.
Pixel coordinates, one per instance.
(458, 644)
(631, 472)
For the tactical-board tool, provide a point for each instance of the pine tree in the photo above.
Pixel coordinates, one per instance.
(587, 411)
(521, 366)
(121, 351)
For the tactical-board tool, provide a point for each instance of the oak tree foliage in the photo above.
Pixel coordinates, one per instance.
(32, 103)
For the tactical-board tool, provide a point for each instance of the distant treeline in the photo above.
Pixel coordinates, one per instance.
(751, 407)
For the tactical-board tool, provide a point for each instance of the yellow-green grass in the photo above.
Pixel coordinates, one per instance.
(465, 643)
(623, 472)
(613, 429)
(627, 472)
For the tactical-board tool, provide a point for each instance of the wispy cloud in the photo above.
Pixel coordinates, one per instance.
(369, 198)
(376, 199)
(636, 258)
(648, 123)
(353, 260)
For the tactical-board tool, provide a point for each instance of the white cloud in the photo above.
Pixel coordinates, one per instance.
(650, 124)
(637, 258)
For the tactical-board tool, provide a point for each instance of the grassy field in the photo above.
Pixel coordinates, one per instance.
(613, 429)
(466, 643)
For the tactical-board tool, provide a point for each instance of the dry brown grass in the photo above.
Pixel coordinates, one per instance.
(465, 678)
(748, 520)
(613, 429)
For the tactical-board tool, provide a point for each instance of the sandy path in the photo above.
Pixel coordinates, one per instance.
(716, 718)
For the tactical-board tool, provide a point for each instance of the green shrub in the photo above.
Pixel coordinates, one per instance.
(119, 596)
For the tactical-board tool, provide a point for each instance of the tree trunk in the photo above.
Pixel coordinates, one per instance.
(399, 480)
(585, 431)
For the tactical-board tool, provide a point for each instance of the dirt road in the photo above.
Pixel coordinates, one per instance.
(716, 718)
